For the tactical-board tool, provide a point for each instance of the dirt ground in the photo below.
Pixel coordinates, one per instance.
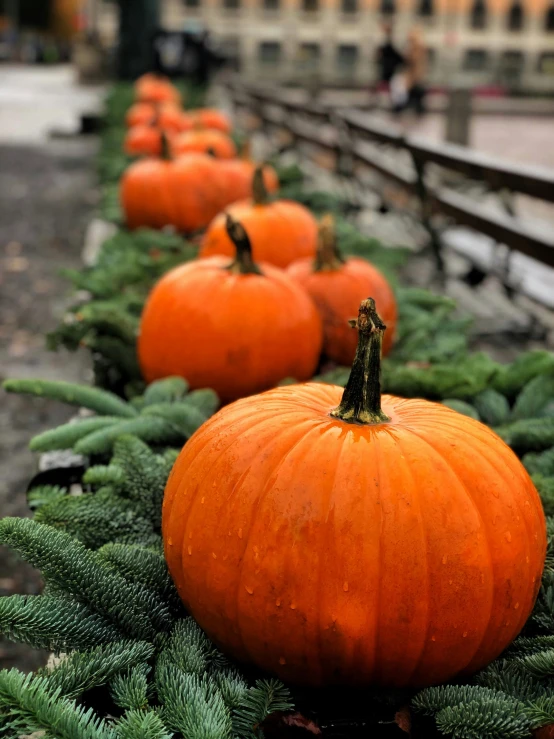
(47, 195)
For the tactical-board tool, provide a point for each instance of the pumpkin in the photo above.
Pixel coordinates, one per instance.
(337, 536)
(211, 118)
(166, 116)
(337, 285)
(280, 231)
(239, 174)
(236, 327)
(143, 140)
(186, 193)
(216, 143)
(156, 88)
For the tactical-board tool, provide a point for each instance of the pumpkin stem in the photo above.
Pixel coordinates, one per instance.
(328, 255)
(243, 263)
(361, 400)
(259, 192)
(166, 148)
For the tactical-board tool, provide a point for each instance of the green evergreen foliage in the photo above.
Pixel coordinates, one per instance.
(536, 399)
(497, 719)
(541, 463)
(461, 407)
(41, 494)
(266, 697)
(513, 378)
(493, 408)
(545, 487)
(130, 689)
(141, 724)
(531, 434)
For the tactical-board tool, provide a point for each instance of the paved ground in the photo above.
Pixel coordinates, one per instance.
(47, 195)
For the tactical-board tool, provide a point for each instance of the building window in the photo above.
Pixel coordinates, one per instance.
(388, 7)
(476, 60)
(309, 55)
(231, 4)
(515, 17)
(478, 15)
(230, 48)
(349, 7)
(426, 9)
(269, 52)
(271, 5)
(191, 3)
(546, 63)
(310, 6)
(347, 58)
(549, 19)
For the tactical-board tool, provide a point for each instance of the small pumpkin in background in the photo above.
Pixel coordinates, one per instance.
(337, 284)
(185, 193)
(143, 140)
(240, 173)
(207, 141)
(234, 326)
(280, 231)
(331, 535)
(211, 118)
(156, 88)
(166, 116)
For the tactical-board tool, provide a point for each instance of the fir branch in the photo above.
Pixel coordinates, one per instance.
(182, 415)
(99, 401)
(189, 649)
(257, 704)
(153, 430)
(536, 398)
(81, 671)
(143, 567)
(66, 563)
(168, 390)
(540, 664)
(101, 475)
(541, 463)
(42, 494)
(130, 690)
(46, 622)
(30, 698)
(67, 435)
(541, 712)
(545, 487)
(533, 434)
(461, 407)
(141, 724)
(494, 719)
(432, 700)
(493, 408)
(511, 379)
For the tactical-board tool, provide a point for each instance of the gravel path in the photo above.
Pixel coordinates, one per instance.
(47, 195)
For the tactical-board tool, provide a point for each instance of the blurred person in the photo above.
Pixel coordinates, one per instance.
(416, 72)
(389, 62)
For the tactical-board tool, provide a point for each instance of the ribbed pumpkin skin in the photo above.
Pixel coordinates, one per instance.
(337, 294)
(280, 232)
(399, 554)
(143, 141)
(206, 142)
(153, 88)
(238, 334)
(238, 174)
(211, 118)
(186, 193)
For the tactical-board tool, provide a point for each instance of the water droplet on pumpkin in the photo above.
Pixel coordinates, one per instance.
(293, 606)
(527, 503)
(203, 499)
(534, 579)
(240, 533)
(278, 602)
(170, 541)
(433, 638)
(229, 533)
(527, 559)
(494, 520)
(450, 582)
(506, 623)
(516, 606)
(445, 559)
(508, 536)
(282, 661)
(249, 590)
(345, 587)
(214, 555)
(464, 634)
(495, 493)
(189, 550)
(482, 579)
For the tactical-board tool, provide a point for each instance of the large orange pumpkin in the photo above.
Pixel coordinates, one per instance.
(166, 116)
(353, 539)
(232, 326)
(239, 175)
(216, 143)
(156, 88)
(337, 285)
(280, 231)
(186, 193)
(211, 118)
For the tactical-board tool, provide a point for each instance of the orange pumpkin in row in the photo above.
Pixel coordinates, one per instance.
(280, 231)
(231, 325)
(331, 535)
(337, 285)
(156, 88)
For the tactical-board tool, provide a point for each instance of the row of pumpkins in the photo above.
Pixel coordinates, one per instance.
(327, 536)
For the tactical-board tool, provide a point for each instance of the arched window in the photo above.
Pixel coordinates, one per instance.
(479, 15)
(515, 16)
(426, 9)
(549, 19)
(388, 7)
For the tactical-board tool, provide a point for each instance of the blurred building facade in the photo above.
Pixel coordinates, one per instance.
(471, 42)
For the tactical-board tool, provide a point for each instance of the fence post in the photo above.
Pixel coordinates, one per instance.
(458, 116)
